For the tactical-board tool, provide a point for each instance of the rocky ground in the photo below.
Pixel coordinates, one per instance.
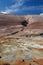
(27, 31)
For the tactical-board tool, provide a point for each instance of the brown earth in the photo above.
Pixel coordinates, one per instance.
(35, 23)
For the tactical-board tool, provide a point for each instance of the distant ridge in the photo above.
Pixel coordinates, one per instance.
(35, 23)
(8, 19)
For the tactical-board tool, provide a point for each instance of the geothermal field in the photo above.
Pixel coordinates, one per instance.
(21, 39)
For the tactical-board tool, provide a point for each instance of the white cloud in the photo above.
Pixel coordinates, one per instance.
(7, 11)
(19, 7)
(33, 8)
(13, 8)
(41, 14)
(16, 8)
(3, 12)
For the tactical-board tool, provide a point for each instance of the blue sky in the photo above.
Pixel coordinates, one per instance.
(21, 7)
